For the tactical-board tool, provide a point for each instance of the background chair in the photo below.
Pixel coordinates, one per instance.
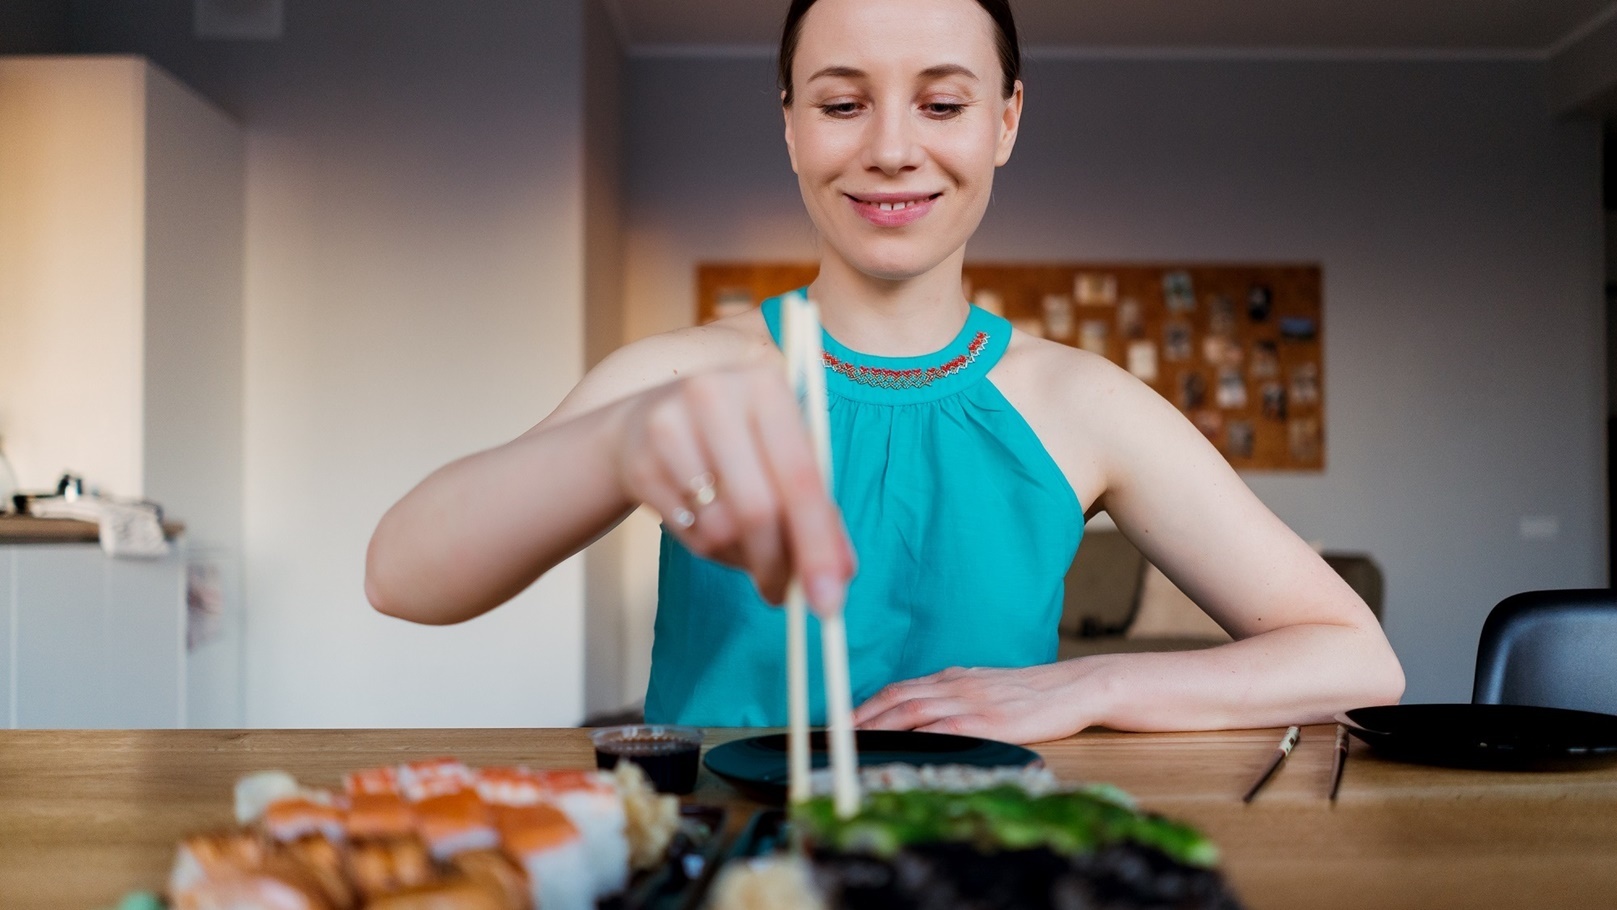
(1117, 601)
(1556, 649)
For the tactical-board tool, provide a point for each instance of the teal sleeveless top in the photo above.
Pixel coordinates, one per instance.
(963, 524)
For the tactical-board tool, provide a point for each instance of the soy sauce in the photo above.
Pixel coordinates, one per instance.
(669, 762)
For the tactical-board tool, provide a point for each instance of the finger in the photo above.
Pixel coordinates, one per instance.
(652, 487)
(891, 695)
(944, 675)
(678, 457)
(818, 545)
(913, 714)
(929, 686)
(672, 436)
(960, 725)
(728, 442)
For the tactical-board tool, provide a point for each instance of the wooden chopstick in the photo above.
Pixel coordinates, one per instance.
(797, 741)
(805, 361)
(1340, 761)
(1287, 743)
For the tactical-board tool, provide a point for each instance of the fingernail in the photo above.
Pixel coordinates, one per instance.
(826, 593)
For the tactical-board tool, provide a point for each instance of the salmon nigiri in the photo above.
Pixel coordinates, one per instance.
(548, 846)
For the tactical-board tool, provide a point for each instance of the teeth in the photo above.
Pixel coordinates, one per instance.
(894, 206)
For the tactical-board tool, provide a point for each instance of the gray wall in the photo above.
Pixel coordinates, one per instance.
(1458, 224)
(34, 26)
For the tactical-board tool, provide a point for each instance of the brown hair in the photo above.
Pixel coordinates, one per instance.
(1010, 50)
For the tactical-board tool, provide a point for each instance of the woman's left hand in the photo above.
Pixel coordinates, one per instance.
(1026, 705)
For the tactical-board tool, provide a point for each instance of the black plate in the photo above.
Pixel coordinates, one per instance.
(1507, 737)
(681, 880)
(757, 766)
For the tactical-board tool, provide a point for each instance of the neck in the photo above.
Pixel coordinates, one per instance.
(891, 318)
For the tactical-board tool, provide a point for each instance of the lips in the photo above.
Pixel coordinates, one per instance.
(892, 209)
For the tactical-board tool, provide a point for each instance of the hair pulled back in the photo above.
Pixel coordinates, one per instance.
(1010, 50)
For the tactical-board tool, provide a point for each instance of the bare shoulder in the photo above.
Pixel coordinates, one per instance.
(660, 359)
(1080, 405)
(1052, 382)
(1041, 368)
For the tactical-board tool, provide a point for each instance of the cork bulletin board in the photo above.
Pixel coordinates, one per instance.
(1238, 348)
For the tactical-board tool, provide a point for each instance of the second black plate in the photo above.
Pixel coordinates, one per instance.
(1509, 737)
(757, 766)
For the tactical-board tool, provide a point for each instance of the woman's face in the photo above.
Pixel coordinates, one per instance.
(897, 121)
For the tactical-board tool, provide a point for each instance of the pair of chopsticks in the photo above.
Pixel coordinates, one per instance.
(1287, 743)
(805, 372)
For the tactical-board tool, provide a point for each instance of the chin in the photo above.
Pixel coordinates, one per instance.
(892, 264)
(890, 271)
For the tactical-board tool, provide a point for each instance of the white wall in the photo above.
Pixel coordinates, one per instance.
(413, 291)
(195, 177)
(72, 235)
(1458, 224)
(194, 169)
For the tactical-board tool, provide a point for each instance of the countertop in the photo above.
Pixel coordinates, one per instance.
(28, 529)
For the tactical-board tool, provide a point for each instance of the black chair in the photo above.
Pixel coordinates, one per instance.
(1556, 649)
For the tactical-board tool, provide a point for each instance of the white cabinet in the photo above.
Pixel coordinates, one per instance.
(121, 226)
(121, 282)
(90, 641)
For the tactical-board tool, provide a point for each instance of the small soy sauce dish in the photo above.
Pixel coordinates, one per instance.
(668, 754)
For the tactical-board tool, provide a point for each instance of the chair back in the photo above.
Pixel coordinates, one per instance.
(1556, 649)
(1103, 586)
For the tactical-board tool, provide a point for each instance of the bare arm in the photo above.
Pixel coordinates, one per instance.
(1306, 646)
(477, 531)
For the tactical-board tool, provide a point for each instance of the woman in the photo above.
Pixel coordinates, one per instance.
(967, 456)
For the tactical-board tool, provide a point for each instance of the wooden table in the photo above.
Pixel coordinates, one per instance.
(88, 815)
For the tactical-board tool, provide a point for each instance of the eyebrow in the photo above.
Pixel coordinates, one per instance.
(931, 72)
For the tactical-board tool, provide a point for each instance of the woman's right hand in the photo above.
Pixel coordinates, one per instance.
(725, 458)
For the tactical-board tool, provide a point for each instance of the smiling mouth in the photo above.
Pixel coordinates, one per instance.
(890, 209)
(893, 205)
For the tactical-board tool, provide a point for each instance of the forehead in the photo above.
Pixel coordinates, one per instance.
(904, 36)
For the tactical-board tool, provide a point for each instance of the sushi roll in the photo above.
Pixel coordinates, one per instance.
(422, 780)
(548, 847)
(431, 835)
(309, 814)
(453, 823)
(239, 870)
(376, 809)
(959, 838)
(382, 866)
(595, 806)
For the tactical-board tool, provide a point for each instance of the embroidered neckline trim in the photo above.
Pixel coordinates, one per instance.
(917, 378)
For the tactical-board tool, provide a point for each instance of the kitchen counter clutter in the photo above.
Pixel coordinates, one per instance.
(28, 529)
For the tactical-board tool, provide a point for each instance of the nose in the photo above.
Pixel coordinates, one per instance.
(892, 146)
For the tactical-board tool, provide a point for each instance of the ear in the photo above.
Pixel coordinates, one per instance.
(1009, 125)
(791, 146)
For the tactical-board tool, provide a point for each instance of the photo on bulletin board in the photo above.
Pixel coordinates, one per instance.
(1239, 348)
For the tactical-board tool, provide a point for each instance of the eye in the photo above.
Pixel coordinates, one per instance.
(942, 110)
(841, 110)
